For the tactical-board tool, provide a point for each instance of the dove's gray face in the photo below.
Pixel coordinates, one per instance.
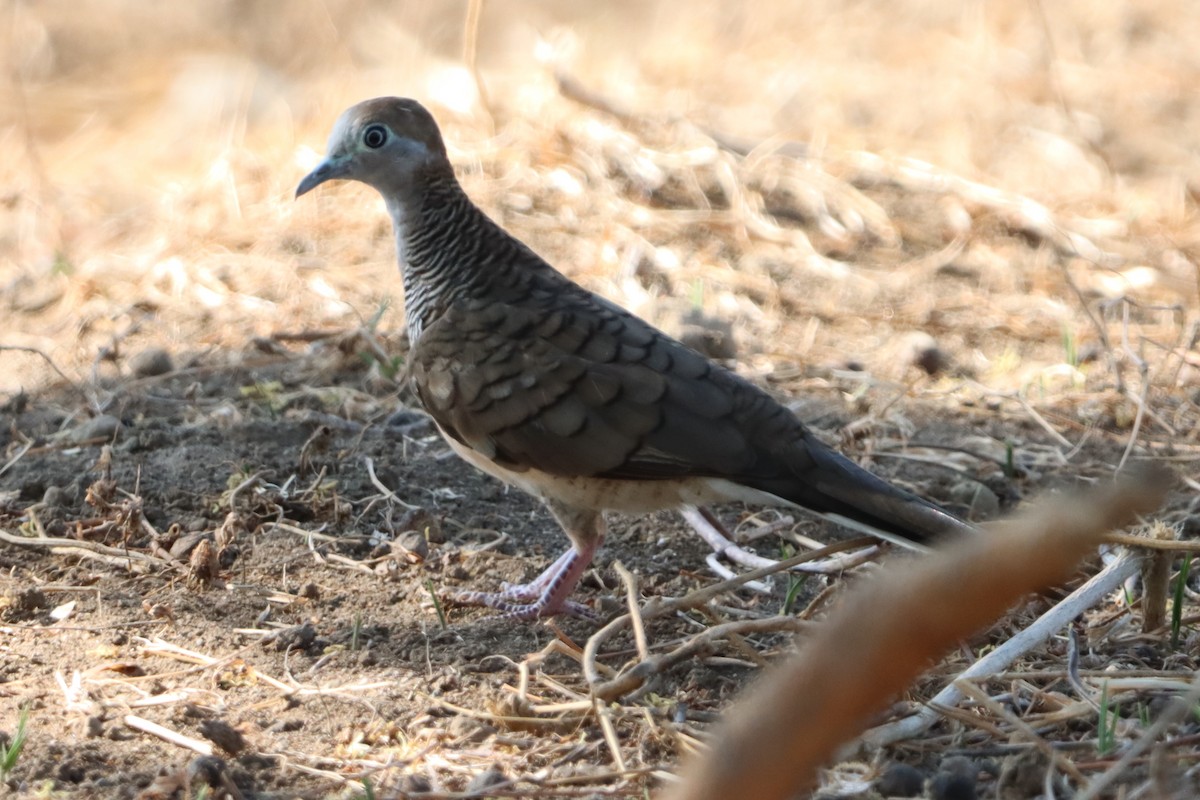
(383, 143)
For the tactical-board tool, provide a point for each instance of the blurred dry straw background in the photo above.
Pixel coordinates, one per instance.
(961, 236)
(152, 150)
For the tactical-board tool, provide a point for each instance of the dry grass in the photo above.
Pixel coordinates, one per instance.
(152, 163)
(1011, 186)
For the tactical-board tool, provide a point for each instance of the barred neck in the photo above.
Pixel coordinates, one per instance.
(430, 223)
(449, 250)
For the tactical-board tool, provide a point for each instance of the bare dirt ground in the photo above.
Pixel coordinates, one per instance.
(961, 242)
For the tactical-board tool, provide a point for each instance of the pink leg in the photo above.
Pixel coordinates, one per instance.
(528, 592)
(548, 594)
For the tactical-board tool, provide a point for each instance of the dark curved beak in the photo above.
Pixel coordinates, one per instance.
(331, 169)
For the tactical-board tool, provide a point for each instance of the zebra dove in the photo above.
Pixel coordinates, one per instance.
(558, 391)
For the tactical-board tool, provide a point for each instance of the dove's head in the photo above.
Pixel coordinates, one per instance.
(385, 143)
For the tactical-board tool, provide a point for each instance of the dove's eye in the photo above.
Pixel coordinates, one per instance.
(375, 136)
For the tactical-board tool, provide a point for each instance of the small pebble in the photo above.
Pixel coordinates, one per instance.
(406, 420)
(71, 772)
(981, 501)
(298, 637)
(413, 545)
(55, 497)
(285, 725)
(469, 731)
(946, 786)
(960, 765)
(226, 556)
(151, 362)
(104, 426)
(484, 781)
(31, 599)
(414, 784)
(921, 350)
(223, 735)
(461, 726)
(900, 780)
(955, 780)
(419, 519)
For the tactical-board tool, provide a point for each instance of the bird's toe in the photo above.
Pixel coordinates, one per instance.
(536, 607)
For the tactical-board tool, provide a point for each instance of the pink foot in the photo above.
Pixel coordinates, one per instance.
(546, 595)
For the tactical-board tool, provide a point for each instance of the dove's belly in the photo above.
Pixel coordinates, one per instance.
(609, 494)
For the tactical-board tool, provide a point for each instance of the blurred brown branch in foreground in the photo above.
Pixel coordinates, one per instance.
(887, 631)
